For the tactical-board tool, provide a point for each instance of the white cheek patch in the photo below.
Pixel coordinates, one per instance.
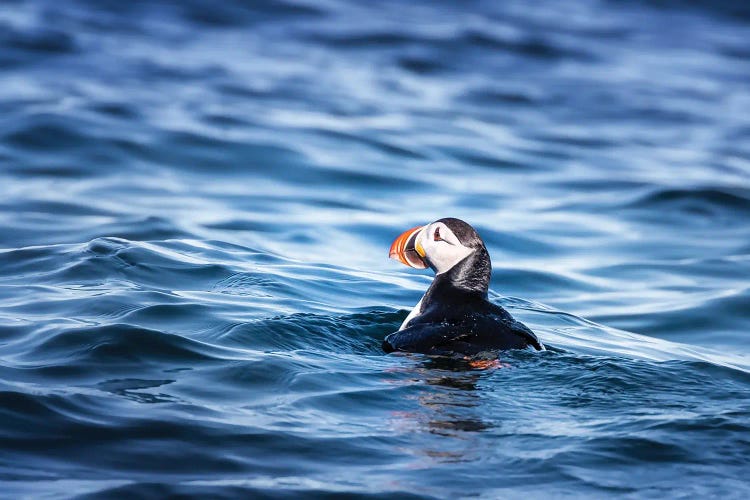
(443, 255)
(445, 259)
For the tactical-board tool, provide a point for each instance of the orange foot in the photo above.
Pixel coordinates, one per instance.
(487, 364)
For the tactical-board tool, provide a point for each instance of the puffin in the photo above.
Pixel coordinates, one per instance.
(454, 316)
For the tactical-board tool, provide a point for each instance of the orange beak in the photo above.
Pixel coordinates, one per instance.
(407, 250)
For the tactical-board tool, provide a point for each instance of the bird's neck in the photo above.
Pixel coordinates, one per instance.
(470, 276)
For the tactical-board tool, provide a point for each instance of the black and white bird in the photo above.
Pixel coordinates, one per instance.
(454, 315)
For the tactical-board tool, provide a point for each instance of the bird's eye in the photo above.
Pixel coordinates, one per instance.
(437, 237)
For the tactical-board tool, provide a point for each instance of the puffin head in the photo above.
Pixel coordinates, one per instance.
(439, 245)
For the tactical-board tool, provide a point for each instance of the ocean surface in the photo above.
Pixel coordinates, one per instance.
(196, 204)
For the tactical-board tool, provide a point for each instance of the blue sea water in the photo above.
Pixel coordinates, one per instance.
(196, 204)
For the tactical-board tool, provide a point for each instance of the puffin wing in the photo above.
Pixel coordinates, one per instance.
(518, 328)
(526, 332)
(446, 339)
(425, 339)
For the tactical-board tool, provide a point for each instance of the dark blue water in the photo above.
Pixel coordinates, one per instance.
(196, 204)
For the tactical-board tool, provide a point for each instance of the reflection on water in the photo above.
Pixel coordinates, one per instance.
(455, 410)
